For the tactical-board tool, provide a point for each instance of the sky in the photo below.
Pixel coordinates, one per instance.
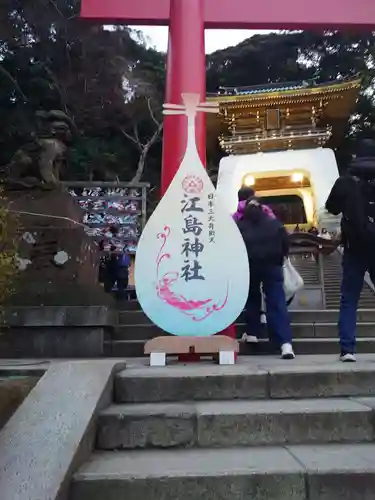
(157, 36)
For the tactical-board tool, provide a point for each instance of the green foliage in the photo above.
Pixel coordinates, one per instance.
(8, 268)
(98, 158)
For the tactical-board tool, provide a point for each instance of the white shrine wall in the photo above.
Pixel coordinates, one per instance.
(318, 164)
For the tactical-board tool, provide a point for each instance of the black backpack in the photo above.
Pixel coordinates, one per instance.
(263, 241)
(359, 216)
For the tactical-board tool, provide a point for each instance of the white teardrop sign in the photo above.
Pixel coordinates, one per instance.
(191, 268)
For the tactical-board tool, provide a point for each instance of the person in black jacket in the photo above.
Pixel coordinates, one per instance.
(267, 246)
(353, 196)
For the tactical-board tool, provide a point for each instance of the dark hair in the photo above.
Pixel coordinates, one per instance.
(245, 193)
(253, 210)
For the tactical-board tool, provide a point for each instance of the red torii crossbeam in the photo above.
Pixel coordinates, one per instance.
(187, 19)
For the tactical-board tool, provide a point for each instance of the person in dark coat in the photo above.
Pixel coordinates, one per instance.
(353, 196)
(117, 272)
(267, 246)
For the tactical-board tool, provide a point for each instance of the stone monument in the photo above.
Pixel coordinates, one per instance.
(57, 261)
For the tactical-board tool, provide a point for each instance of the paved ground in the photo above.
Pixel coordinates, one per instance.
(266, 362)
(244, 363)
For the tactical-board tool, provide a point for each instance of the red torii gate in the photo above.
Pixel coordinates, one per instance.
(187, 19)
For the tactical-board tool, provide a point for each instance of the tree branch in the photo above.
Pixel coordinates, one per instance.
(136, 135)
(14, 81)
(132, 138)
(157, 123)
(56, 7)
(142, 159)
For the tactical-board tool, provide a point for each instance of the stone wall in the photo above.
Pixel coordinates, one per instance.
(55, 332)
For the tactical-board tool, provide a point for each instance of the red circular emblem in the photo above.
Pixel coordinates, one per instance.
(192, 184)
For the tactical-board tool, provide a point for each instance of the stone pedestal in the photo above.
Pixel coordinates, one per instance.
(55, 332)
(58, 261)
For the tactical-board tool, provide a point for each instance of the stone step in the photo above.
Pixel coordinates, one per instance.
(300, 330)
(310, 272)
(251, 378)
(135, 348)
(325, 472)
(365, 298)
(133, 305)
(138, 317)
(210, 424)
(129, 305)
(333, 303)
(332, 283)
(135, 317)
(367, 302)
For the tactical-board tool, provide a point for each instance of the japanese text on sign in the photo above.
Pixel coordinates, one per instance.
(211, 219)
(192, 246)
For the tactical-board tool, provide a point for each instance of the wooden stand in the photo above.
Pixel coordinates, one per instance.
(230, 332)
(221, 347)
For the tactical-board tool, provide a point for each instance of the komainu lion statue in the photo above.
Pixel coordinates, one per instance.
(38, 164)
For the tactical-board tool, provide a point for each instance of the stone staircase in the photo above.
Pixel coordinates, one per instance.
(332, 274)
(264, 429)
(315, 332)
(307, 268)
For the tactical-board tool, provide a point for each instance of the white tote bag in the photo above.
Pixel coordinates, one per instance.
(293, 281)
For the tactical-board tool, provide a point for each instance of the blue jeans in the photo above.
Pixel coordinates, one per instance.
(119, 276)
(354, 268)
(277, 313)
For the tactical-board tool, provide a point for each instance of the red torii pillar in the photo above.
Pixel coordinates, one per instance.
(186, 72)
(187, 19)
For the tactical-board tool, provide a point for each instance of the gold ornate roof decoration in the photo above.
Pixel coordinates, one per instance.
(310, 115)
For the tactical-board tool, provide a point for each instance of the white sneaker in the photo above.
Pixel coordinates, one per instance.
(287, 351)
(263, 319)
(249, 339)
(348, 358)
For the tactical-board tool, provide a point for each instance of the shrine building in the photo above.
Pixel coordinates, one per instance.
(279, 139)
